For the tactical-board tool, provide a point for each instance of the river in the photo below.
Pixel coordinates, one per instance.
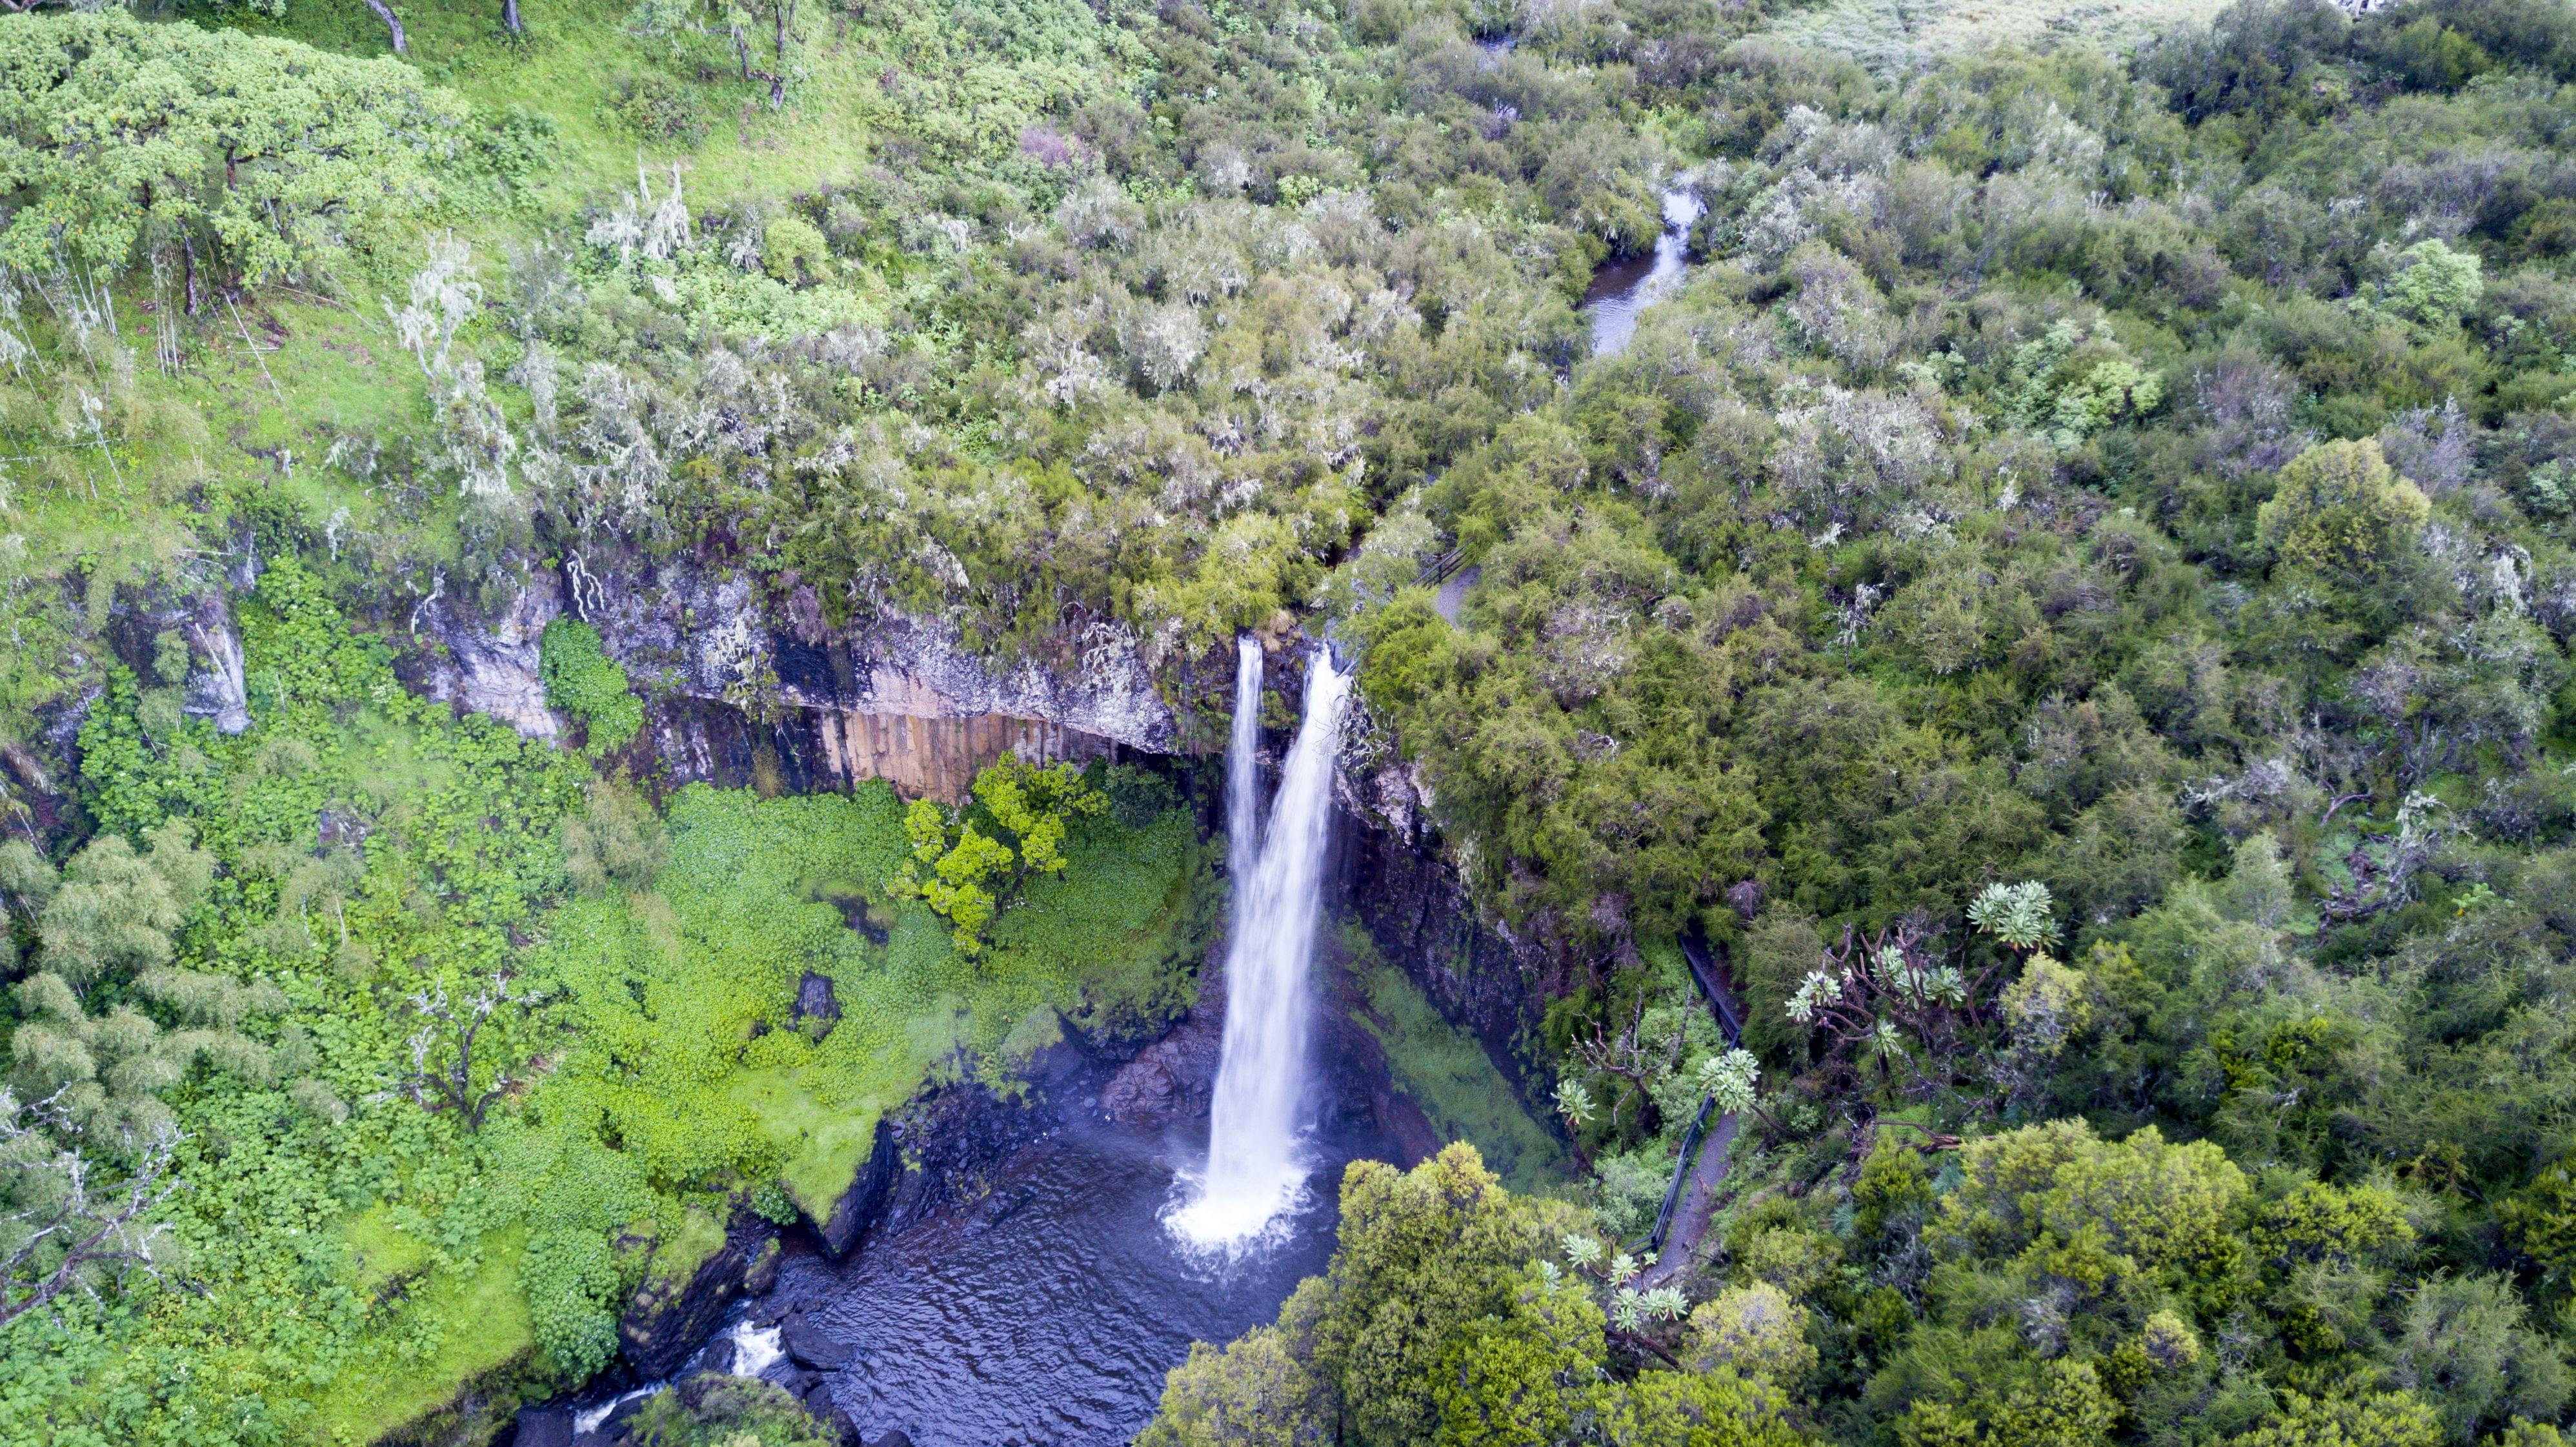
(1624, 287)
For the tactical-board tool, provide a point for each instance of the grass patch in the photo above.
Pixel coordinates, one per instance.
(682, 1249)
(459, 1328)
(1448, 1074)
(384, 1253)
(684, 993)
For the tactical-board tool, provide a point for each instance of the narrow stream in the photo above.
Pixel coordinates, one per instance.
(1621, 289)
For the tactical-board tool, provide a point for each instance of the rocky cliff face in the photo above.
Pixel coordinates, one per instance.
(1404, 888)
(490, 665)
(743, 696)
(669, 1320)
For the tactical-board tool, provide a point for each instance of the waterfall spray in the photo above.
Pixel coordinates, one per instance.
(1255, 1165)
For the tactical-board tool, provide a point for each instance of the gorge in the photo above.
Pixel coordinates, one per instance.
(1210, 723)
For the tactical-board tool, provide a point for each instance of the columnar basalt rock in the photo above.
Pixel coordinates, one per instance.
(669, 1320)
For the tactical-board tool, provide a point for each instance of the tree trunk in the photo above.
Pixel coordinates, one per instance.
(510, 17)
(784, 14)
(393, 22)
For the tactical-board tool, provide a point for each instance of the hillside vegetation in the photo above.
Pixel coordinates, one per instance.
(2070, 599)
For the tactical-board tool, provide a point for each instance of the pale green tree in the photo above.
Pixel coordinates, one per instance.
(2341, 508)
(253, 158)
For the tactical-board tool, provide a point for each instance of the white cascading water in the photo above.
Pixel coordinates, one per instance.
(1243, 769)
(1255, 1166)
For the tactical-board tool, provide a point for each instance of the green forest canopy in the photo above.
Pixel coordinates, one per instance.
(2144, 480)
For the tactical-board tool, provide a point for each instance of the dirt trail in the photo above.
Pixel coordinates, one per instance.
(1700, 1194)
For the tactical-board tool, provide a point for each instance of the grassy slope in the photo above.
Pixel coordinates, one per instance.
(1449, 1075)
(263, 390)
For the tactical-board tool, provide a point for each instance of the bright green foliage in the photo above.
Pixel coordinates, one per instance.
(1757, 1330)
(2046, 1005)
(1694, 1410)
(730, 1412)
(2340, 509)
(1032, 806)
(584, 683)
(1425, 1258)
(258, 158)
(671, 988)
(2435, 285)
(1254, 1392)
(959, 865)
(2070, 1408)
(2057, 1186)
(572, 1285)
(958, 869)
(1435, 1325)
(2541, 1219)
(2380, 1419)
(2169, 1342)
(2322, 1223)
(792, 250)
(2073, 385)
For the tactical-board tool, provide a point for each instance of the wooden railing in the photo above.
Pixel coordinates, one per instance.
(1731, 1026)
(1439, 568)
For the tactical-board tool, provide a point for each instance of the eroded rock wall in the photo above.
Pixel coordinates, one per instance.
(741, 697)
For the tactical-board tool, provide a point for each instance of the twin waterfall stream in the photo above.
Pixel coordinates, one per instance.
(1256, 1164)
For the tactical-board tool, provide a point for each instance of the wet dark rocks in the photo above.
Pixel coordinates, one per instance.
(870, 1190)
(955, 1141)
(815, 1001)
(809, 1346)
(543, 1427)
(1417, 912)
(667, 1321)
(1169, 1080)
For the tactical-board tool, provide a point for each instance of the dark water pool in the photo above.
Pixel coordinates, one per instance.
(1048, 1310)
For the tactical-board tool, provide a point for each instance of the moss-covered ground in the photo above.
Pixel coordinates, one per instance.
(1447, 1072)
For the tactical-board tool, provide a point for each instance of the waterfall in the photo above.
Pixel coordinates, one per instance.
(1243, 770)
(1254, 1167)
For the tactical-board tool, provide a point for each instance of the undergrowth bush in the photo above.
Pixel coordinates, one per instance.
(584, 683)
